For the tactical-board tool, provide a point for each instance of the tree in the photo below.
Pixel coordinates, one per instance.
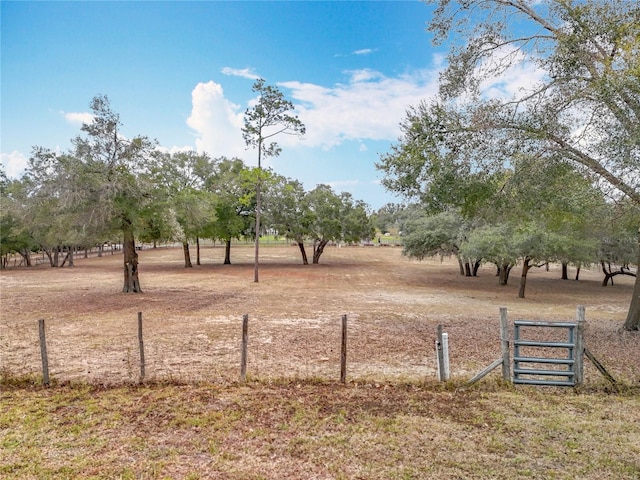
(388, 218)
(584, 106)
(59, 204)
(357, 224)
(288, 211)
(327, 224)
(114, 190)
(269, 117)
(14, 231)
(233, 188)
(441, 234)
(181, 178)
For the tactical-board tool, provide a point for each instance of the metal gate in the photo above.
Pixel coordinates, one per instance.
(562, 369)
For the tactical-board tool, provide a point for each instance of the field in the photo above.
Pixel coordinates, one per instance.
(292, 419)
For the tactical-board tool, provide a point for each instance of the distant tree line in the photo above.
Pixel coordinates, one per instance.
(109, 188)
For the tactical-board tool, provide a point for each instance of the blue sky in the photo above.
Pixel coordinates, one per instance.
(181, 72)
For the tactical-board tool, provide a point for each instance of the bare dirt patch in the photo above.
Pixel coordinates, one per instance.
(192, 317)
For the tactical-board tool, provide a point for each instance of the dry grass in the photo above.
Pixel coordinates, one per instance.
(192, 317)
(292, 419)
(313, 430)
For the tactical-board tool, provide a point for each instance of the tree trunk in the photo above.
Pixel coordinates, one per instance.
(187, 255)
(303, 252)
(476, 267)
(503, 274)
(56, 257)
(227, 252)
(633, 316)
(565, 271)
(131, 280)
(197, 250)
(607, 274)
(64, 260)
(318, 249)
(71, 251)
(257, 247)
(460, 264)
(100, 249)
(577, 273)
(48, 254)
(467, 269)
(526, 265)
(26, 254)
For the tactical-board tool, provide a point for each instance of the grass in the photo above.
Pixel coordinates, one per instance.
(314, 429)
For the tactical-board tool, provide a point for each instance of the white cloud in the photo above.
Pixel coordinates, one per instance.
(175, 149)
(14, 163)
(364, 51)
(216, 121)
(338, 185)
(240, 72)
(515, 74)
(78, 118)
(369, 106)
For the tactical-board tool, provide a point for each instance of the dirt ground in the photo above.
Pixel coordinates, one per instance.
(192, 317)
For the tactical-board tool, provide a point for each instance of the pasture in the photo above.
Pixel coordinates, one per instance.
(292, 418)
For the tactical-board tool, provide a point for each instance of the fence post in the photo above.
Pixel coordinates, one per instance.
(504, 343)
(343, 351)
(445, 356)
(579, 348)
(141, 345)
(43, 353)
(245, 341)
(440, 354)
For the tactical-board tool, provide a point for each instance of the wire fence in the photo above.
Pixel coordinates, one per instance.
(210, 350)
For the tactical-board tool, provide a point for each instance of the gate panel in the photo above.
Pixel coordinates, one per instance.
(533, 362)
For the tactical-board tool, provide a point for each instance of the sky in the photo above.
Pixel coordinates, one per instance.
(182, 72)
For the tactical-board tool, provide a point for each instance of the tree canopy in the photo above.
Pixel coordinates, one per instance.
(580, 106)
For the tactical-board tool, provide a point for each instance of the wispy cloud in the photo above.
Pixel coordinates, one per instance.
(511, 74)
(14, 163)
(369, 106)
(362, 51)
(240, 72)
(341, 184)
(77, 118)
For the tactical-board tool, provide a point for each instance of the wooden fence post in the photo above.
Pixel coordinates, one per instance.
(141, 345)
(245, 341)
(504, 343)
(343, 351)
(43, 353)
(579, 348)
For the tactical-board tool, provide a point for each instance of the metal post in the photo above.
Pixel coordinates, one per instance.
(579, 348)
(504, 342)
(440, 355)
(445, 356)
